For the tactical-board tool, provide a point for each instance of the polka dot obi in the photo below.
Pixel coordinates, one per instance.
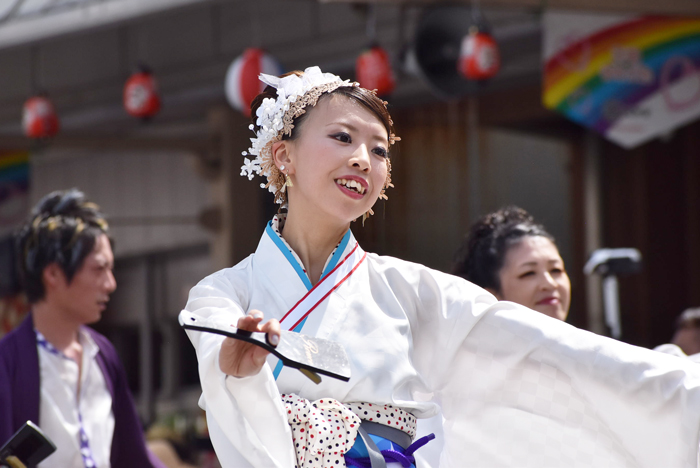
(385, 414)
(324, 430)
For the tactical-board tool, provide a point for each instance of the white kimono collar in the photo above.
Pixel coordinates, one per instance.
(272, 233)
(285, 273)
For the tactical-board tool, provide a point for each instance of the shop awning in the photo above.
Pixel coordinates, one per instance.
(25, 21)
(668, 7)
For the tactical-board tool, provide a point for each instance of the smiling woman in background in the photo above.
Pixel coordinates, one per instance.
(516, 260)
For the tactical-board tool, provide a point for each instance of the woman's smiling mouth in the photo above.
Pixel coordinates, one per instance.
(352, 187)
(549, 301)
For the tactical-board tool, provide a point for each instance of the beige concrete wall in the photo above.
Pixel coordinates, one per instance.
(153, 197)
(532, 172)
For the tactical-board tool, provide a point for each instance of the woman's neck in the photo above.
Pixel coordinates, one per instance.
(313, 241)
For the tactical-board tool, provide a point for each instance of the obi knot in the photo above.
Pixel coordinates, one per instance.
(322, 430)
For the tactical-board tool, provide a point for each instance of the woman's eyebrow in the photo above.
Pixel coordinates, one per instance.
(353, 128)
(341, 122)
(533, 263)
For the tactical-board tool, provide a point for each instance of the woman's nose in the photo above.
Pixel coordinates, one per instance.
(548, 281)
(361, 159)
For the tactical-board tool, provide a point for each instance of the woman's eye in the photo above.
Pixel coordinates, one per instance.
(557, 271)
(342, 137)
(379, 151)
(526, 274)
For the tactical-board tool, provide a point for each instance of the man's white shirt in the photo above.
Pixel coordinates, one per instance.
(62, 411)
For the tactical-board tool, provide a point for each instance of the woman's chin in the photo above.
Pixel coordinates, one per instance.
(348, 218)
(354, 214)
(554, 311)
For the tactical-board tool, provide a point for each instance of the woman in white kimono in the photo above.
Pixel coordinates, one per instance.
(516, 388)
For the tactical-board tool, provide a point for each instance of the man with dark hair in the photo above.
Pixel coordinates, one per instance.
(55, 371)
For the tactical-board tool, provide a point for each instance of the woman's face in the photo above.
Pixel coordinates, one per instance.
(338, 164)
(533, 275)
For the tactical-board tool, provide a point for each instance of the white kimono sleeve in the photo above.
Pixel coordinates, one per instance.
(247, 422)
(529, 390)
(518, 388)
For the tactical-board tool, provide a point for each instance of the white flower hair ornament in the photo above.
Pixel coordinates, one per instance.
(275, 119)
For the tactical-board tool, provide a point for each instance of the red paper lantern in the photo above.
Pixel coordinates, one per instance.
(141, 95)
(242, 83)
(478, 56)
(39, 118)
(373, 71)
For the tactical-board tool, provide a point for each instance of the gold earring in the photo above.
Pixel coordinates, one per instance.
(288, 181)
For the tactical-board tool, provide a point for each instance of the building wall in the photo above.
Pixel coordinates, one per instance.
(652, 202)
(532, 172)
(429, 212)
(151, 198)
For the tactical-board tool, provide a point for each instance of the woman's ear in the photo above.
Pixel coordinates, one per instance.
(281, 154)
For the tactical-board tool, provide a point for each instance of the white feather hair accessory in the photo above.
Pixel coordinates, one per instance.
(275, 119)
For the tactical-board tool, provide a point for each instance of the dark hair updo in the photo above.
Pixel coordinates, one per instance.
(62, 228)
(482, 255)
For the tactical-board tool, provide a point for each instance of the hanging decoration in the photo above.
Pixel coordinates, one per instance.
(39, 118)
(141, 97)
(373, 71)
(479, 58)
(373, 66)
(14, 200)
(242, 83)
(631, 78)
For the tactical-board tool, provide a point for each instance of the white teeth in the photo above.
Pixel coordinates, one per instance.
(351, 184)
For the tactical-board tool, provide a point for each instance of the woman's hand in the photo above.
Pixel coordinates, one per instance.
(241, 359)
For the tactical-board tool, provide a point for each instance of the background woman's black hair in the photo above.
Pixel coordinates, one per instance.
(482, 254)
(62, 229)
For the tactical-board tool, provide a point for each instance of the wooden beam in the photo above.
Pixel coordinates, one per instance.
(513, 106)
(668, 7)
(113, 142)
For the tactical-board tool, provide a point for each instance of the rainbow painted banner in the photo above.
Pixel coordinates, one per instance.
(14, 189)
(630, 78)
